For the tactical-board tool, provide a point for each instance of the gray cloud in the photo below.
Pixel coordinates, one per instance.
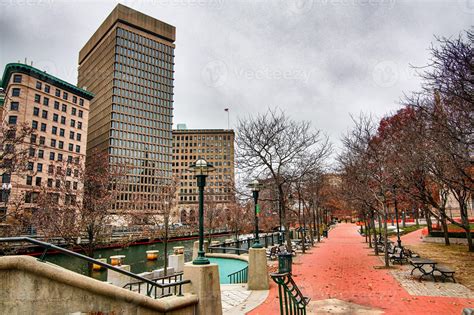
(317, 59)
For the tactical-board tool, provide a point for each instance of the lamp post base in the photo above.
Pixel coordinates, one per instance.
(201, 259)
(257, 245)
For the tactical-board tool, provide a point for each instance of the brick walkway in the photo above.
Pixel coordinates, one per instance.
(343, 268)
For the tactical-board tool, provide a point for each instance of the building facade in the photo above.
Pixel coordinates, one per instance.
(216, 146)
(55, 113)
(128, 64)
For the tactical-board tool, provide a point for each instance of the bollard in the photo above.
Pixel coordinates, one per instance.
(152, 254)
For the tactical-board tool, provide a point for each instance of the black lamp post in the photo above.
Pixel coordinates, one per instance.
(6, 190)
(255, 186)
(201, 170)
(399, 241)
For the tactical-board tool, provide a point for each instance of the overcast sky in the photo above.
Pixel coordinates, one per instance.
(319, 60)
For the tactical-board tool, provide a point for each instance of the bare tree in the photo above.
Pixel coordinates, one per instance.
(271, 145)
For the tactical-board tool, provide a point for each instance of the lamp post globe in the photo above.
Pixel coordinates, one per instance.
(201, 169)
(255, 187)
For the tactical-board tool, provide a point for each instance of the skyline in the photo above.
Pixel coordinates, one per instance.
(228, 54)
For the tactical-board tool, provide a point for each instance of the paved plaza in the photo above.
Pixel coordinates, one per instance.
(342, 276)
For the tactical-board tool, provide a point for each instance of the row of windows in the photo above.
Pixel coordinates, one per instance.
(74, 110)
(148, 148)
(203, 138)
(126, 61)
(143, 41)
(135, 154)
(44, 114)
(141, 121)
(141, 129)
(52, 154)
(156, 61)
(161, 107)
(159, 84)
(161, 139)
(141, 97)
(122, 69)
(144, 114)
(17, 78)
(29, 182)
(131, 86)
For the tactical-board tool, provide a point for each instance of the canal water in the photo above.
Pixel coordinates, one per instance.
(135, 257)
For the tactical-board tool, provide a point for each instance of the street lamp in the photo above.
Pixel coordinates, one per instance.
(201, 169)
(255, 186)
(6, 190)
(399, 241)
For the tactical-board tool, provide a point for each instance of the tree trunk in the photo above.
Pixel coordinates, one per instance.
(367, 232)
(465, 223)
(385, 241)
(318, 226)
(444, 224)
(375, 236)
(428, 219)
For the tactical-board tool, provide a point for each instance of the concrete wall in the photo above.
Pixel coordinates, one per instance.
(32, 287)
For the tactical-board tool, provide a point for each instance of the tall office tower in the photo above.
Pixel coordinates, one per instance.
(128, 64)
(215, 146)
(57, 113)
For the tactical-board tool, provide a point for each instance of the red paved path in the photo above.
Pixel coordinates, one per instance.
(343, 268)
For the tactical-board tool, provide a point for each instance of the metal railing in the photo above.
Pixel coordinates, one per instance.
(243, 245)
(227, 250)
(151, 286)
(240, 276)
(291, 299)
(167, 286)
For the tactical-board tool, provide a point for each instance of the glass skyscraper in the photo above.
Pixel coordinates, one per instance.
(128, 64)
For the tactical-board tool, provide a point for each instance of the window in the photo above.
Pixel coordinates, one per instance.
(15, 92)
(43, 127)
(55, 117)
(39, 167)
(14, 105)
(44, 114)
(74, 185)
(36, 111)
(45, 101)
(60, 157)
(73, 111)
(80, 113)
(34, 124)
(64, 108)
(61, 132)
(38, 181)
(42, 140)
(50, 182)
(78, 149)
(56, 105)
(71, 147)
(50, 169)
(40, 154)
(74, 99)
(39, 85)
(58, 93)
(73, 123)
(47, 88)
(81, 102)
(63, 120)
(29, 180)
(53, 143)
(31, 165)
(51, 156)
(61, 144)
(69, 159)
(78, 137)
(76, 160)
(65, 95)
(79, 125)
(17, 78)
(54, 130)
(33, 139)
(12, 120)
(68, 172)
(32, 152)
(37, 98)
(71, 135)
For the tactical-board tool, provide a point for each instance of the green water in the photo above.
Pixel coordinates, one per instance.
(135, 257)
(227, 266)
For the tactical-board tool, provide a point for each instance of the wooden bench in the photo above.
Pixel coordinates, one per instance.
(445, 273)
(398, 256)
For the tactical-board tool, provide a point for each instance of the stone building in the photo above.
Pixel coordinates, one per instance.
(57, 112)
(128, 64)
(216, 146)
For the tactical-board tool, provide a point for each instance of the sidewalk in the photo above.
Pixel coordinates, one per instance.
(343, 268)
